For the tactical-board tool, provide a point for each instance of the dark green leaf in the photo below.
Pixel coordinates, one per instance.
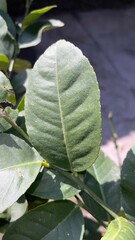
(35, 15)
(54, 220)
(128, 183)
(9, 22)
(52, 185)
(19, 166)
(63, 109)
(32, 35)
(103, 178)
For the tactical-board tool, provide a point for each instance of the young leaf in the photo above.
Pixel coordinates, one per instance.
(6, 92)
(120, 229)
(35, 15)
(54, 220)
(10, 24)
(128, 183)
(32, 35)
(63, 109)
(103, 178)
(3, 5)
(4, 125)
(19, 166)
(51, 184)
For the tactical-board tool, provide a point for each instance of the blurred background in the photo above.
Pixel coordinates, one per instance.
(105, 32)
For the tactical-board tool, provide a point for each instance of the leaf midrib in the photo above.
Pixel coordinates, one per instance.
(21, 165)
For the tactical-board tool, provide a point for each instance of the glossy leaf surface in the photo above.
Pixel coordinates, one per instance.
(103, 177)
(19, 166)
(32, 35)
(128, 183)
(53, 185)
(120, 229)
(35, 15)
(54, 220)
(62, 108)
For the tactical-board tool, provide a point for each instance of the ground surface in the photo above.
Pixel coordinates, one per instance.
(107, 38)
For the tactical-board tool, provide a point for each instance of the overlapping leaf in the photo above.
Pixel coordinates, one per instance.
(128, 183)
(4, 125)
(51, 184)
(62, 108)
(104, 179)
(120, 229)
(19, 166)
(54, 220)
(32, 35)
(35, 15)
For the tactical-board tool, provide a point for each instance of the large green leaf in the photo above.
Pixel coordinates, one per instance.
(120, 229)
(128, 183)
(52, 185)
(103, 177)
(63, 109)
(32, 35)
(35, 15)
(54, 220)
(3, 5)
(19, 166)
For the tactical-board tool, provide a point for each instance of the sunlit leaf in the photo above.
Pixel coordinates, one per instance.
(35, 15)
(63, 109)
(19, 166)
(4, 125)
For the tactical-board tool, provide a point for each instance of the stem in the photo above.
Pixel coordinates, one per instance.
(15, 126)
(114, 135)
(85, 188)
(82, 205)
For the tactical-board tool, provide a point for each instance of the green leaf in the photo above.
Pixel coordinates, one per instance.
(120, 229)
(63, 109)
(4, 125)
(103, 179)
(3, 5)
(32, 35)
(54, 220)
(10, 24)
(18, 209)
(52, 185)
(19, 166)
(19, 64)
(35, 15)
(6, 92)
(6, 43)
(128, 183)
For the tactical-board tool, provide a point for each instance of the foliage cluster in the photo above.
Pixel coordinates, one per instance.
(51, 164)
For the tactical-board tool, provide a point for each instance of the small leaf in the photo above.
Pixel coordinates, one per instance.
(6, 92)
(120, 229)
(54, 220)
(4, 125)
(128, 183)
(4, 63)
(32, 35)
(3, 5)
(21, 64)
(18, 209)
(103, 179)
(52, 185)
(19, 166)
(63, 109)
(35, 15)
(10, 24)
